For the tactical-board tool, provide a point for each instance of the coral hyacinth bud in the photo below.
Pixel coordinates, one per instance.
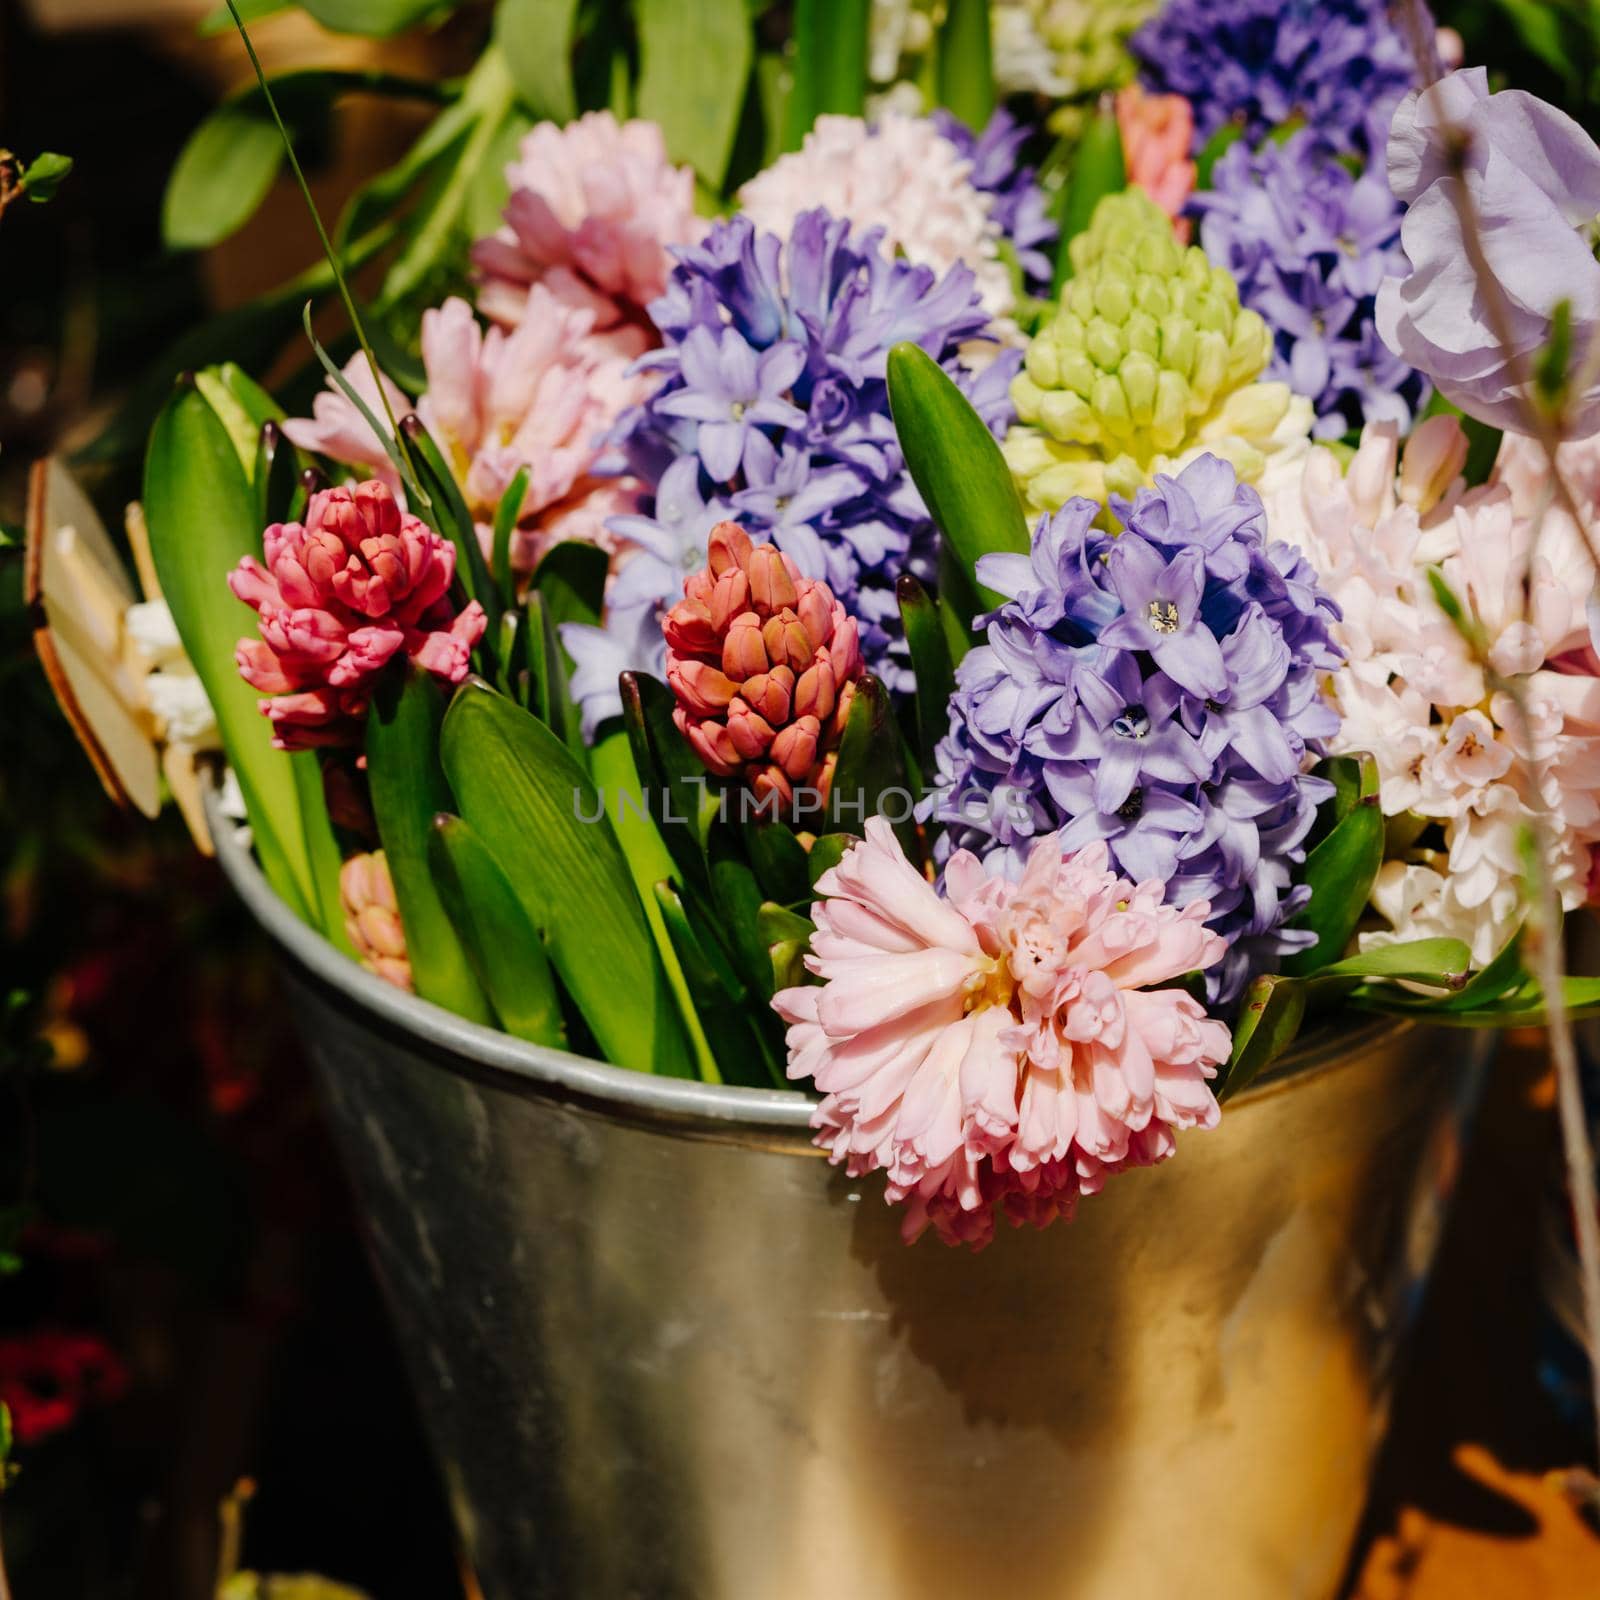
(743, 653)
(763, 661)
(372, 918)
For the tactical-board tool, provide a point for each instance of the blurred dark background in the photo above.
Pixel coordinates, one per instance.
(183, 1294)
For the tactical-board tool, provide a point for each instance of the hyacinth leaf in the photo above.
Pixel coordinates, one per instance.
(617, 780)
(507, 955)
(682, 49)
(1097, 169)
(1340, 871)
(572, 579)
(930, 663)
(1214, 149)
(829, 63)
(742, 1052)
(547, 662)
(521, 791)
(1505, 973)
(201, 516)
(505, 523)
(778, 859)
(450, 517)
(276, 478)
(965, 72)
(1345, 774)
(535, 37)
(958, 603)
(236, 420)
(1441, 963)
(1483, 441)
(377, 19)
(827, 852)
(1268, 1022)
(321, 847)
(1522, 1007)
(675, 784)
(870, 779)
(737, 899)
(513, 646)
(408, 790)
(956, 465)
(778, 924)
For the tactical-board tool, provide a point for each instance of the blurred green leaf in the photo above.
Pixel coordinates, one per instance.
(828, 62)
(221, 20)
(1097, 170)
(957, 468)
(827, 852)
(870, 778)
(1214, 149)
(504, 949)
(536, 38)
(529, 801)
(694, 62)
(572, 579)
(1442, 963)
(408, 790)
(965, 72)
(44, 175)
(377, 19)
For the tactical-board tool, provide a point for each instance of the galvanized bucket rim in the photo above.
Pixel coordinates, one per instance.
(471, 1048)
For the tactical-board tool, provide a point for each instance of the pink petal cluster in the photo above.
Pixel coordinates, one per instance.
(764, 664)
(594, 206)
(372, 918)
(999, 1048)
(1157, 134)
(542, 394)
(1451, 748)
(356, 585)
(898, 173)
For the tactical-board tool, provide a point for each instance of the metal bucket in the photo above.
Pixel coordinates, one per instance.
(664, 1350)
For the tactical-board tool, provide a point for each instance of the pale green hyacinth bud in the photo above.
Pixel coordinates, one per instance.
(1149, 357)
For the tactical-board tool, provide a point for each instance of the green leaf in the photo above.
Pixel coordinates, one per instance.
(870, 778)
(44, 175)
(694, 61)
(1340, 870)
(536, 37)
(221, 20)
(229, 162)
(524, 795)
(505, 522)
(201, 515)
(778, 924)
(957, 467)
(737, 899)
(617, 781)
(1268, 1022)
(829, 60)
(378, 19)
(321, 848)
(680, 797)
(965, 73)
(552, 698)
(1097, 170)
(276, 475)
(1440, 962)
(572, 579)
(778, 860)
(1215, 148)
(826, 852)
(930, 663)
(1520, 1008)
(408, 790)
(743, 1055)
(1505, 973)
(502, 945)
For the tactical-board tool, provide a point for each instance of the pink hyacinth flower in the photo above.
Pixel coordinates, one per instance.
(1157, 133)
(594, 206)
(341, 595)
(999, 1048)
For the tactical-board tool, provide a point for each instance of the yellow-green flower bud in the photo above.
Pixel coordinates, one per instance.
(1149, 357)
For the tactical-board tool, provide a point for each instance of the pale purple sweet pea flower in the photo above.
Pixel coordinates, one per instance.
(1531, 177)
(733, 392)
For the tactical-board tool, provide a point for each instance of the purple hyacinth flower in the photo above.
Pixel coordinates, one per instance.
(731, 391)
(1161, 614)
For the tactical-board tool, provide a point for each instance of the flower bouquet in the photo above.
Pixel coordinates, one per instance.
(997, 567)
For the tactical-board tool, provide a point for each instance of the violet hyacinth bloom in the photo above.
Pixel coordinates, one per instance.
(779, 350)
(1157, 690)
(1309, 243)
(1016, 202)
(1531, 177)
(1337, 64)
